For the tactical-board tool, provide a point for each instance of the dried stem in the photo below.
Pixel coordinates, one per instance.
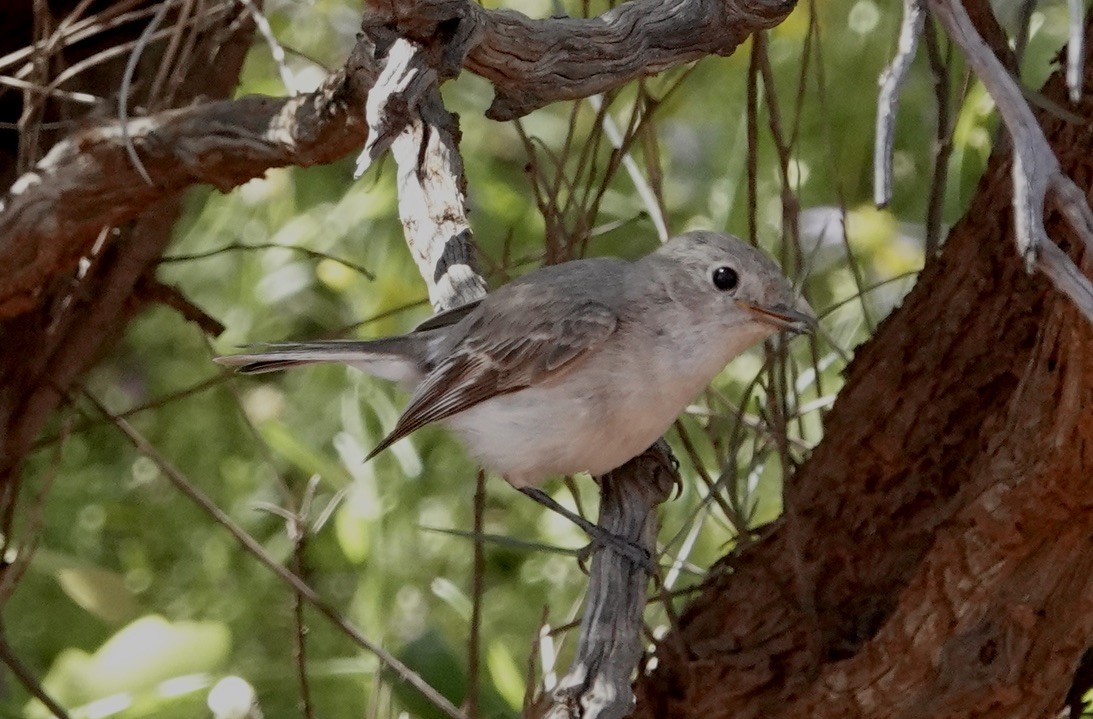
(943, 139)
(1036, 171)
(474, 650)
(891, 82)
(23, 673)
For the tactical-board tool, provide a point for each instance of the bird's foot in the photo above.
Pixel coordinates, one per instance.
(633, 551)
(637, 554)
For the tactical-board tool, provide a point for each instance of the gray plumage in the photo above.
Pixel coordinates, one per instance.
(573, 367)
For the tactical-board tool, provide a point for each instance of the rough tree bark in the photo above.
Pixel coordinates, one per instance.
(935, 558)
(75, 314)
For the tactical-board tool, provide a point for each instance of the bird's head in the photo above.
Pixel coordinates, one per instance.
(732, 286)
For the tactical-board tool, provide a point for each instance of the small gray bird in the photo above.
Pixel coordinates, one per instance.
(576, 367)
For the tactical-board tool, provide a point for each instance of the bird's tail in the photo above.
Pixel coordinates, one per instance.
(393, 358)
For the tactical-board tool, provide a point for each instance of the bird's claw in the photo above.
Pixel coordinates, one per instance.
(637, 554)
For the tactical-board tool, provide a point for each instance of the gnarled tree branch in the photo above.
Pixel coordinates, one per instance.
(51, 216)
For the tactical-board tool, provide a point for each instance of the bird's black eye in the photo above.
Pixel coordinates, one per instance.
(725, 279)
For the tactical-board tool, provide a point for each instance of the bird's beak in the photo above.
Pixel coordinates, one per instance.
(798, 321)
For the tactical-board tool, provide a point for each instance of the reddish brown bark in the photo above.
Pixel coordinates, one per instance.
(935, 558)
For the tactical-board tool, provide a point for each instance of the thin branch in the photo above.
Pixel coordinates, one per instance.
(70, 32)
(276, 50)
(1024, 19)
(242, 247)
(255, 549)
(127, 83)
(23, 673)
(152, 290)
(81, 98)
(943, 138)
(891, 83)
(474, 651)
(87, 424)
(645, 191)
(214, 15)
(297, 530)
(32, 524)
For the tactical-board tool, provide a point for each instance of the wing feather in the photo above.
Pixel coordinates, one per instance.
(501, 357)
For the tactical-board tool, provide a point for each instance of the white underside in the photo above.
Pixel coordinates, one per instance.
(591, 419)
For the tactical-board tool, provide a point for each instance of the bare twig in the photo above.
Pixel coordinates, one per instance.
(943, 139)
(255, 549)
(474, 651)
(86, 424)
(32, 524)
(152, 290)
(297, 530)
(645, 191)
(81, 98)
(891, 82)
(1036, 170)
(1024, 18)
(276, 51)
(127, 83)
(23, 673)
(242, 247)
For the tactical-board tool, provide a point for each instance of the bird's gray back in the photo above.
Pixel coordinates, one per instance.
(549, 295)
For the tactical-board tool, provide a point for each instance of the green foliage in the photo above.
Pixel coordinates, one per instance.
(134, 588)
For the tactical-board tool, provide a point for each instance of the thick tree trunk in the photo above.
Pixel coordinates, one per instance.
(935, 558)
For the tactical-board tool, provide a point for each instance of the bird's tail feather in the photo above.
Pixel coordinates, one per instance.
(394, 358)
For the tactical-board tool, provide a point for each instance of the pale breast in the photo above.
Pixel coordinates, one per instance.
(610, 410)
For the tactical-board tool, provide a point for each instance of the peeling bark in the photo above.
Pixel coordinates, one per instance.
(949, 572)
(532, 63)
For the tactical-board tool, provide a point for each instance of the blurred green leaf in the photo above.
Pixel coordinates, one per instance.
(99, 591)
(139, 658)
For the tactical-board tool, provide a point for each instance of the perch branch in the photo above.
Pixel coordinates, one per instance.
(597, 685)
(1036, 170)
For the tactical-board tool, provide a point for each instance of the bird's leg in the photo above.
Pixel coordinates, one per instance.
(635, 553)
